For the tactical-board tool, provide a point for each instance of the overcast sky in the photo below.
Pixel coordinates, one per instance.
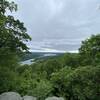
(59, 25)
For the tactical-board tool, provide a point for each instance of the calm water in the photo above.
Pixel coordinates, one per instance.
(29, 62)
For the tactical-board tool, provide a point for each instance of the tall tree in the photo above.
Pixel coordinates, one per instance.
(13, 34)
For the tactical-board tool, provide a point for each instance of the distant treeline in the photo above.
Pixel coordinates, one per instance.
(38, 55)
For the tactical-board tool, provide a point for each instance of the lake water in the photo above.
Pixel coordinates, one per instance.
(29, 62)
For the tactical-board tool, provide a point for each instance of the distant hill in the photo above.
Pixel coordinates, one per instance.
(39, 55)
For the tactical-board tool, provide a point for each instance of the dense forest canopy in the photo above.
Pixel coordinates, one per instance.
(74, 76)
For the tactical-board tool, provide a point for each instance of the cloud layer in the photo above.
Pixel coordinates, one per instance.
(59, 24)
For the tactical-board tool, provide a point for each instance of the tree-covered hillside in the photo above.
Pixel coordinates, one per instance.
(74, 76)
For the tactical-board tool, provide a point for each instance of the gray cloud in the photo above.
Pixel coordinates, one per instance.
(59, 24)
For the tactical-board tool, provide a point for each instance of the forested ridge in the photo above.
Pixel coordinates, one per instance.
(74, 76)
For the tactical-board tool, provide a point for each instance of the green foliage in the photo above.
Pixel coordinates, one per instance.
(46, 67)
(9, 61)
(43, 89)
(8, 80)
(69, 59)
(59, 82)
(90, 50)
(5, 5)
(79, 84)
(60, 76)
(37, 88)
(13, 34)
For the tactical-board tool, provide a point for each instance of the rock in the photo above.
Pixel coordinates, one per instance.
(29, 98)
(10, 96)
(54, 98)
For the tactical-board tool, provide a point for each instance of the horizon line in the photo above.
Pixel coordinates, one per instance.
(55, 51)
